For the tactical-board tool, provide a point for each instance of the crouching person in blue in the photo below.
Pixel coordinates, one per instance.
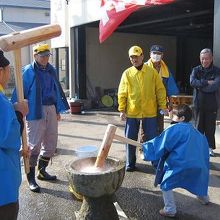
(11, 123)
(184, 160)
(46, 101)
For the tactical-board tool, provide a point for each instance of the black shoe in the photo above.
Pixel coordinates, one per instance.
(31, 181)
(43, 175)
(34, 187)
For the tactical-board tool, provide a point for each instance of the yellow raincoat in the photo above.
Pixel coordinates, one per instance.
(141, 93)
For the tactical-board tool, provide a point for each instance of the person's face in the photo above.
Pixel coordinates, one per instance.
(4, 75)
(206, 59)
(42, 60)
(178, 119)
(136, 61)
(156, 56)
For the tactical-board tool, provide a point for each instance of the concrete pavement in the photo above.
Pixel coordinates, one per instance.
(137, 196)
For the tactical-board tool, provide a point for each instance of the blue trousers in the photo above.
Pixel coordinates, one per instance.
(132, 126)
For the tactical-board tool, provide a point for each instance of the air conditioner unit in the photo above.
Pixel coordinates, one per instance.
(47, 13)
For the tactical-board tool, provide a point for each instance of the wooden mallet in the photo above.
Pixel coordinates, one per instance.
(107, 141)
(15, 41)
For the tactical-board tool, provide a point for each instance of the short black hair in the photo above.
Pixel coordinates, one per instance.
(3, 60)
(183, 110)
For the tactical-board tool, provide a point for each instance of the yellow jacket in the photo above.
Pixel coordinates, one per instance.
(141, 92)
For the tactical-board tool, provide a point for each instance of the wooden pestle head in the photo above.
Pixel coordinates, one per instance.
(105, 146)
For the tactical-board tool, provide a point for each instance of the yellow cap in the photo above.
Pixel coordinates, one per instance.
(135, 51)
(42, 49)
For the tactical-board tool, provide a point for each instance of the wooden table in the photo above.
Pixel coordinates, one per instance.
(181, 99)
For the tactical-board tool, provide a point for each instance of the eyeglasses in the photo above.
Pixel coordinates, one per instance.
(43, 55)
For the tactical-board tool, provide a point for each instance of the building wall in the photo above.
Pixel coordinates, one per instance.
(192, 48)
(23, 18)
(83, 11)
(105, 62)
(14, 14)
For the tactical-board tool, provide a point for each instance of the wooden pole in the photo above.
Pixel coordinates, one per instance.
(20, 97)
(107, 141)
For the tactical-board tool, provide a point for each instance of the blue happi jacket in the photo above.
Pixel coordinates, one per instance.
(187, 165)
(10, 170)
(33, 91)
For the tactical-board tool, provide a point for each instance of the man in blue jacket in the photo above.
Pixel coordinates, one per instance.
(11, 123)
(46, 101)
(205, 79)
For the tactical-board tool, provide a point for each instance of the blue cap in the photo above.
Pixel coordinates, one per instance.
(156, 48)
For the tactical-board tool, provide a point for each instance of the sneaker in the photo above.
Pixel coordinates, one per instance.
(142, 156)
(204, 200)
(167, 214)
(211, 152)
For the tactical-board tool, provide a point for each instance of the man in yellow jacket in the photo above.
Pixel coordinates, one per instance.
(140, 94)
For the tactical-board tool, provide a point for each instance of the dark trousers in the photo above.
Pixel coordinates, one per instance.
(160, 123)
(160, 127)
(205, 122)
(9, 211)
(132, 126)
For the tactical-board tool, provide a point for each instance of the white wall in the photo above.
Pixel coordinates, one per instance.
(60, 15)
(83, 11)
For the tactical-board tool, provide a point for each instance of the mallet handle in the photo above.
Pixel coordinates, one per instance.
(127, 141)
(20, 96)
(24, 38)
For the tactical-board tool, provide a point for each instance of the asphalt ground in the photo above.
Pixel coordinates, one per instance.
(137, 196)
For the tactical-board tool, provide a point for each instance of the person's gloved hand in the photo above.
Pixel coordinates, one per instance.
(164, 112)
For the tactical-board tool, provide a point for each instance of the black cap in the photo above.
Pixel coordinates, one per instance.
(3, 60)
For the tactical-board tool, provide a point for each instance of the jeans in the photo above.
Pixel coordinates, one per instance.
(169, 203)
(131, 131)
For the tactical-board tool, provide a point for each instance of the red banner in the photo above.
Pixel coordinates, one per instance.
(114, 12)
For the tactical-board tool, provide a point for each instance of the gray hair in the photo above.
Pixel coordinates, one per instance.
(206, 50)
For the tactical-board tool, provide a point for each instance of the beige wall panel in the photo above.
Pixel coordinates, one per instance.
(106, 62)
